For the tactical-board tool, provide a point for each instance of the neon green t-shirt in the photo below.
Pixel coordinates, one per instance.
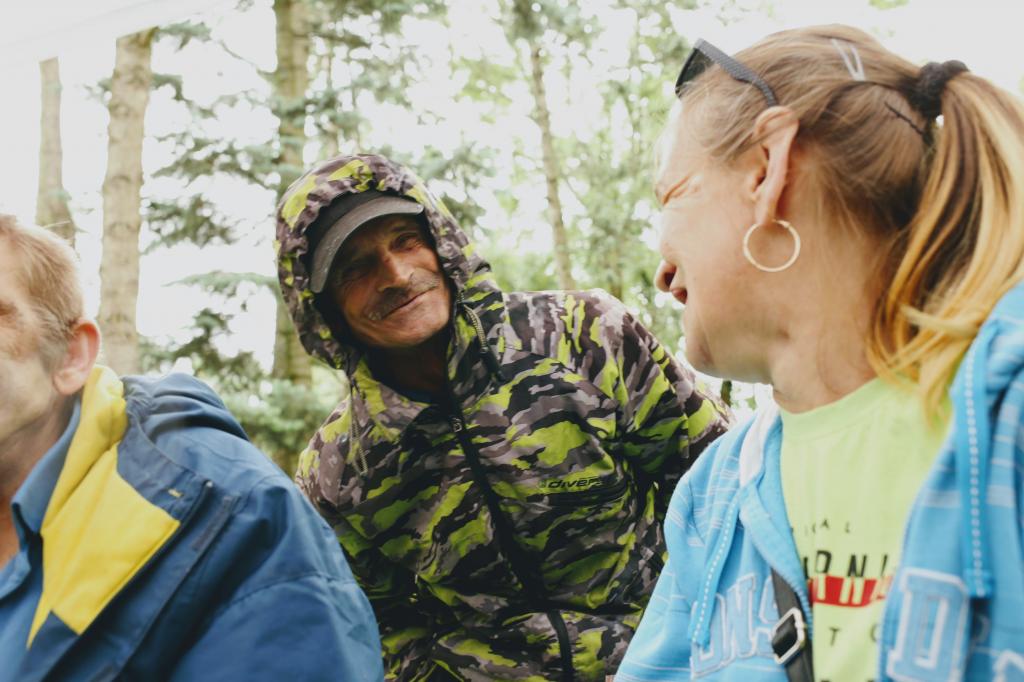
(850, 473)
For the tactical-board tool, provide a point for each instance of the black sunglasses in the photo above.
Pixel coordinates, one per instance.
(704, 54)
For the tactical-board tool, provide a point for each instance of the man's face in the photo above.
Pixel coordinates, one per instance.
(388, 284)
(26, 388)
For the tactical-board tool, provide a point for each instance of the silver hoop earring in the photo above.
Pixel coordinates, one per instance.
(765, 268)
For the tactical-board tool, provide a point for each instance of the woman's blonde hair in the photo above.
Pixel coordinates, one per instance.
(946, 199)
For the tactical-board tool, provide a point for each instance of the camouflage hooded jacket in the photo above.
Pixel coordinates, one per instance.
(514, 531)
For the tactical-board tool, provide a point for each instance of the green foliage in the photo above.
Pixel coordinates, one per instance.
(196, 221)
(210, 327)
(229, 284)
(529, 20)
(280, 417)
(361, 62)
(609, 167)
(725, 392)
(485, 80)
(457, 176)
(198, 156)
(230, 373)
(344, 122)
(519, 271)
(357, 61)
(385, 16)
(174, 82)
(887, 4)
(181, 34)
(613, 169)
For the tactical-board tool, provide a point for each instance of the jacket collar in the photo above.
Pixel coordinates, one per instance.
(113, 471)
(754, 501)
(90, 501)
(992, 362)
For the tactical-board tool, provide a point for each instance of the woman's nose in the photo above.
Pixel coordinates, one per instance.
(663, 276)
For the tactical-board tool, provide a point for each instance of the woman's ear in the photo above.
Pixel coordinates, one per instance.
(74, 368)
(775, 131)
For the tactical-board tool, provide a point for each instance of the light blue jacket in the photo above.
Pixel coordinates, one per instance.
(956, 606)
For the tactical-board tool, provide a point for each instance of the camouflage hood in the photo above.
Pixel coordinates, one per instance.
(510, 529)
(477, 296)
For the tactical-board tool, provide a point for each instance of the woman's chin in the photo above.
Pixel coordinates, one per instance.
(698, 357)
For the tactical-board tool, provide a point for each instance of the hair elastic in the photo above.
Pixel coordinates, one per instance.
(926, 96)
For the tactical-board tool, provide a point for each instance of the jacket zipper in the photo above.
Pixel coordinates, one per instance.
(502, 528)
(486, 352)
(501, 524)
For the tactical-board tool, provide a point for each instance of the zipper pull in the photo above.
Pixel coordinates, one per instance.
(486, 352)
(456, 424)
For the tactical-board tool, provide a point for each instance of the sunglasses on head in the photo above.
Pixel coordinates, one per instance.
(704, 54)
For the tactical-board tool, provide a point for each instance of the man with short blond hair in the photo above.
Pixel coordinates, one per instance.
(48, 269)
(141, 535)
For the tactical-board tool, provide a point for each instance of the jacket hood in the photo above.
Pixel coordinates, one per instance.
(473, 285)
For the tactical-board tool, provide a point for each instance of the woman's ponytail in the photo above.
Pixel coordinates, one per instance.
(964, 246)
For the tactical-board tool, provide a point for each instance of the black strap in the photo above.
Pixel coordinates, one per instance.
(791, 641)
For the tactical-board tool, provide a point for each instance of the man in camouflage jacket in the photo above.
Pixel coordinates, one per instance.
(509, 525)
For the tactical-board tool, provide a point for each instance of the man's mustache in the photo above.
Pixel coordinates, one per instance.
(394, 298)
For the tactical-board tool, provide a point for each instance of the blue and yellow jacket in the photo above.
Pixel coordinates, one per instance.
(955, 607)
(173, 549)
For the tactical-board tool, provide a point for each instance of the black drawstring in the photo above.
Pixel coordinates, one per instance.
(486, 352)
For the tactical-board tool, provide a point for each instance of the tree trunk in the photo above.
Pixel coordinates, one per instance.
(291, 78)
(617, 287)
(563, 264)
(122, 188)
(330, 133)
(52, 201)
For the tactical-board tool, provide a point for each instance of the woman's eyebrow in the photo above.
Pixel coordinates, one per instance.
(657, 191)
(680, 187)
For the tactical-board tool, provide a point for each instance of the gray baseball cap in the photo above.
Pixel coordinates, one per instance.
(341, 218)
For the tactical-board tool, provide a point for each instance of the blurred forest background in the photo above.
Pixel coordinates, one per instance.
(535, 120)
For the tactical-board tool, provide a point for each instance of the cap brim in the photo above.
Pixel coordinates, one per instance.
(337, 233)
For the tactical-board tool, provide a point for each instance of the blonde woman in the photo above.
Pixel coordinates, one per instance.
(847, 227)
